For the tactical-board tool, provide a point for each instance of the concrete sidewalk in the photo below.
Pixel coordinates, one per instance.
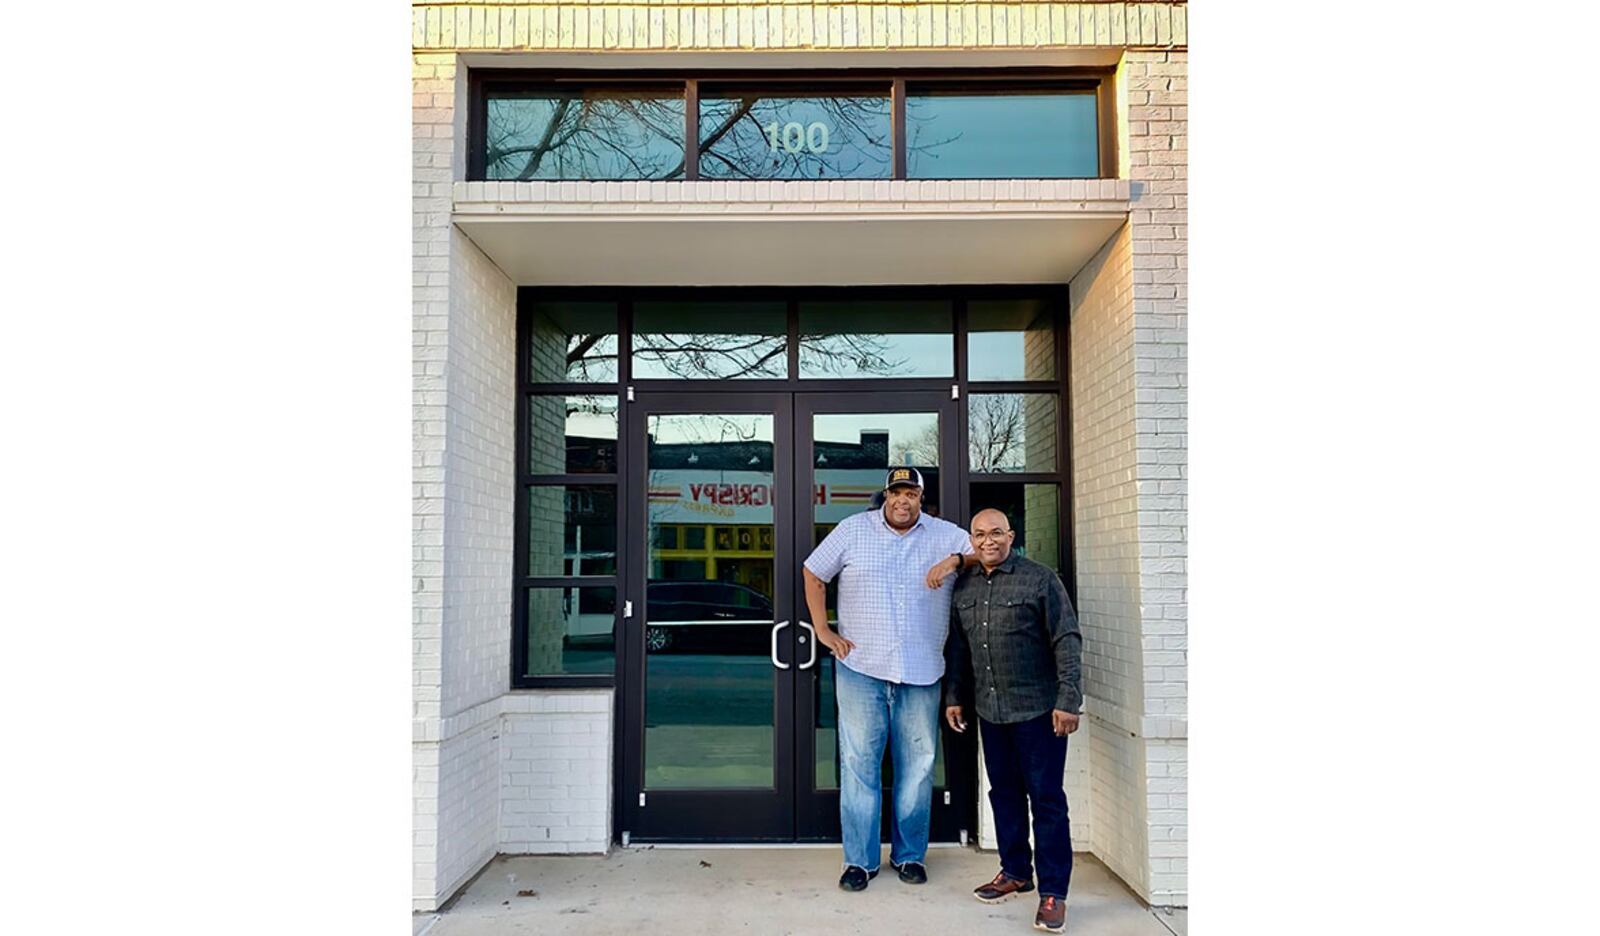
(713, 891)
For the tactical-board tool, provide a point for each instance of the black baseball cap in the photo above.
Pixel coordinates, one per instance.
(900, 477)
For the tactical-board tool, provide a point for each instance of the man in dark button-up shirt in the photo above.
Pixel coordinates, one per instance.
(1014, 644)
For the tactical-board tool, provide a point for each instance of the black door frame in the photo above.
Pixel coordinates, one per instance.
(625, 787)
(793, 810)
(718, 814)
(954, 805)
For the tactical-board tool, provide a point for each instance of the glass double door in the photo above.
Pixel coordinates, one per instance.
(730, 721)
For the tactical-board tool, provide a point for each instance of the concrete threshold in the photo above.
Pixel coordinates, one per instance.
(709, 891)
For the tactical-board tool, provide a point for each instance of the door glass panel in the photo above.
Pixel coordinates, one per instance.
(1011, 432)
(877, 339)
(708, 609)
(710, 340)
(853, 452)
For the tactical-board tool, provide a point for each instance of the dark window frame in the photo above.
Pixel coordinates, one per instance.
(625, 297)
(693, 83)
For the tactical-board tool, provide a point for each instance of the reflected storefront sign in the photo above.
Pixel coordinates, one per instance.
(731, 497)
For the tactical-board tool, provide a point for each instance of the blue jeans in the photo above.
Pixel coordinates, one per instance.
(1025, 762)
(872, 712)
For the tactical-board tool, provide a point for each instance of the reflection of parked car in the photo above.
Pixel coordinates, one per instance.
(716, 615)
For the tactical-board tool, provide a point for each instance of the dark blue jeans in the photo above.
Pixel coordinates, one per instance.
(1026, 761)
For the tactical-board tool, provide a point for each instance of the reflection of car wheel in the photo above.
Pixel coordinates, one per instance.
(657, 639)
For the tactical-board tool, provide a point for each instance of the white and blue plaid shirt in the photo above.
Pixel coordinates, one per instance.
(897, 623)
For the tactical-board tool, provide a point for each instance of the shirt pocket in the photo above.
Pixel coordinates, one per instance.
(1012, 616)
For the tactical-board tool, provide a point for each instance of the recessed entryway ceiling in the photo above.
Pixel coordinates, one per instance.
(789, 250)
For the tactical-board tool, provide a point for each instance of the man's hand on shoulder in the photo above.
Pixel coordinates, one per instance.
(1065, 723)
(942, 569)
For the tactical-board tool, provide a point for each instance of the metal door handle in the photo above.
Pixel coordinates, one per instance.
(775, 628)
(813, 641)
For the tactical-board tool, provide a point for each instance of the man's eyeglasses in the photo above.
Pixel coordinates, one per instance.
(981, 535)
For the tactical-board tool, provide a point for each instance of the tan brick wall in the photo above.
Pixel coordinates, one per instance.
(802, 24)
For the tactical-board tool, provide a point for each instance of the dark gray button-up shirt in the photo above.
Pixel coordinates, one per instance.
(1014, 643)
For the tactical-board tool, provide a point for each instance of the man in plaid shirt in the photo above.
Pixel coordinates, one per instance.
(1013, 630)
(894, 568)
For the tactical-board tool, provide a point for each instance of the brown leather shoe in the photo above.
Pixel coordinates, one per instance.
(1001, 888)
(1052, 915)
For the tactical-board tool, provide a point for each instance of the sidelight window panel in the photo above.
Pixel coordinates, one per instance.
(573, 342)
(1011, 339)
(1034, 511)
(571, 631)
(1011, 432)
(572, 529)
(586, 427)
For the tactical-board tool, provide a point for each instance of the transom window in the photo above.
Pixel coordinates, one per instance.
(789, 126)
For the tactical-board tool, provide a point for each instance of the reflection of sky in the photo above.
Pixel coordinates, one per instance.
(994, 355)
(909, 356)
(592, 425)
(1025, 136)
(906, 430)
(720, 427)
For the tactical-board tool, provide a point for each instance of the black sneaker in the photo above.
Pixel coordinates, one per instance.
(855, 879)
(912, 872)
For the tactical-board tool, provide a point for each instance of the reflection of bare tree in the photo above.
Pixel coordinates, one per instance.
(995, 432)
(712, 356)
(922, 449)
(633, 135)
(599, 135)
(858, 138)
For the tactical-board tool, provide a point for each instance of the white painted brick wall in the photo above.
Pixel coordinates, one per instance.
(481, 478)
(1155, 85)
(468, 802)
(555, 772)
(1106, 539)
(1130, 386)
(464, 328)
(435, 82)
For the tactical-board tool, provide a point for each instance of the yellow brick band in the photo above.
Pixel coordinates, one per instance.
(490, 25)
